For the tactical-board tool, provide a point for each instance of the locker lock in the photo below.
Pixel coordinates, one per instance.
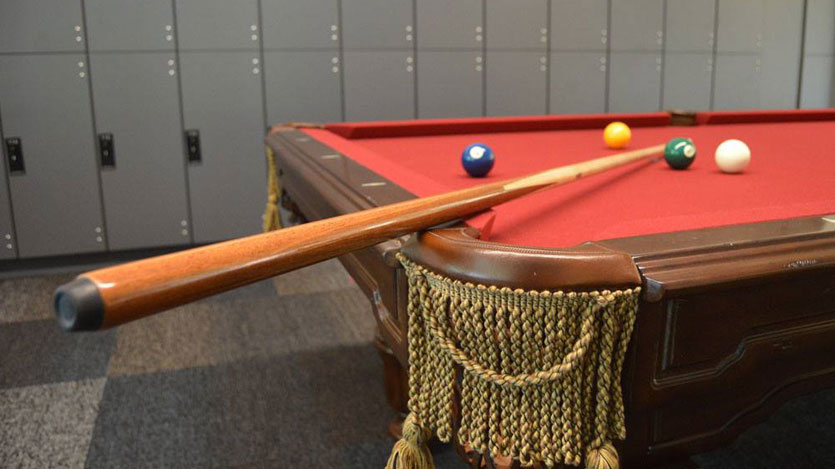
(193, 145)
(107, 154)
(14, 153)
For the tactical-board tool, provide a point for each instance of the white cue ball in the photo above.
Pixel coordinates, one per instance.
(732, 156)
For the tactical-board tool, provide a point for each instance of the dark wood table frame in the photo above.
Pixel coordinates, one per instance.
(734, 321)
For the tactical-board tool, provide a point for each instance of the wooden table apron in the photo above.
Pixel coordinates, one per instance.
(733, 321)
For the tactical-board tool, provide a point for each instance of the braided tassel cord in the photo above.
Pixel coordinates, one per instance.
(411, 451)
(541, 371)
(271, 214)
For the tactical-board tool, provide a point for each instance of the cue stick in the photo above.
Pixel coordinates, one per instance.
(115, 295)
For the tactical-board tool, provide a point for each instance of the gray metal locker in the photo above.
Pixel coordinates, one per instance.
(8, 249)
(516, 83)
(368, 24)
(445, 24)
(450, 84)
(519, 24)
(217, 24)
(820, 28)
(767, 33)
(818, 80)
(818, 87)
(579, 25)
(737, 82)
(783, 32)
(690, 25)
(46, 103)
(130, 24)
(290, 24)
(740, 26)
(41, 26)
(634, 82)
(578, 82)
(688, 54)
(637, 25)
(379, 85)
(687, 77)
(227, 179)
(136, 101)
(303, 86)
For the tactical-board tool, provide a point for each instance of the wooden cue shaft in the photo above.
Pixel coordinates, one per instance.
(115, 295)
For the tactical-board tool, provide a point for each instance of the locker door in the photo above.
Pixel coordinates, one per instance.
(579, 25)
(217, 24)
(377, 23)
(637, 25)
(782, 34)
(293, 24)
(130, 24)
(516, 83)
(687, 80)
(690, 25)
(520, 24)
(379, 85)
(634, 82)
(450, 84)
(136, 101)
(740, 26)
(737, 83)
(303, 86)
(444, 24)
(46, 104)
(578, 82)
(820, 28)
(41, 26)
(688, 54)
(222, 101)
(769, 36)
(7, 238)
(818, 86)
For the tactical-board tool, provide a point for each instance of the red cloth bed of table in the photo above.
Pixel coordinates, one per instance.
(792, 174)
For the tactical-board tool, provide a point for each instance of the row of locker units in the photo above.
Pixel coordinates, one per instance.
(741, 26)
(334, 59)
(138, 151)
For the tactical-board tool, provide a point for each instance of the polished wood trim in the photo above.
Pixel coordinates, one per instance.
(459, 254)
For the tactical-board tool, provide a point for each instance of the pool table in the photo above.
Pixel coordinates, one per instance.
(737, 313)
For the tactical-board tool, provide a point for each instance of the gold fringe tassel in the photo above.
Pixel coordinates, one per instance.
(272, 220)
(540, 371)
(605, 457)
(411, 451)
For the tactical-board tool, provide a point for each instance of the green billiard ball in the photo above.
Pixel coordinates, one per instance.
(680, 153)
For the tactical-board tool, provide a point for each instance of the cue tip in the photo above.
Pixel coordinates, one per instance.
(78, 305)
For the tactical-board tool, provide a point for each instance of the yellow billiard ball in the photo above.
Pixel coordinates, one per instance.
(617, 135)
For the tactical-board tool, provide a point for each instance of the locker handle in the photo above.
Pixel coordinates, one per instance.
(14, 153)
(107, 154)
(193, 145)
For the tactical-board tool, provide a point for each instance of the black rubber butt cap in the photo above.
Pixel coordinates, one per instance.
(78, 306)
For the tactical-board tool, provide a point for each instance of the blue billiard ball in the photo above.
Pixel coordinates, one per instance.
(477, 159)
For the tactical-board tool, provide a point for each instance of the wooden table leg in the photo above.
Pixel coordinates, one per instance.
(396, 384)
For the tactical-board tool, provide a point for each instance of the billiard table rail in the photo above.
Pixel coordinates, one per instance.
(461, 254)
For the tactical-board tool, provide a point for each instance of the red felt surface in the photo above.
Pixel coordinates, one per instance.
(792, 174)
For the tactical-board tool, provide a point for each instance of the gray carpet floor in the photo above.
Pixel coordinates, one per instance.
(278, 374)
